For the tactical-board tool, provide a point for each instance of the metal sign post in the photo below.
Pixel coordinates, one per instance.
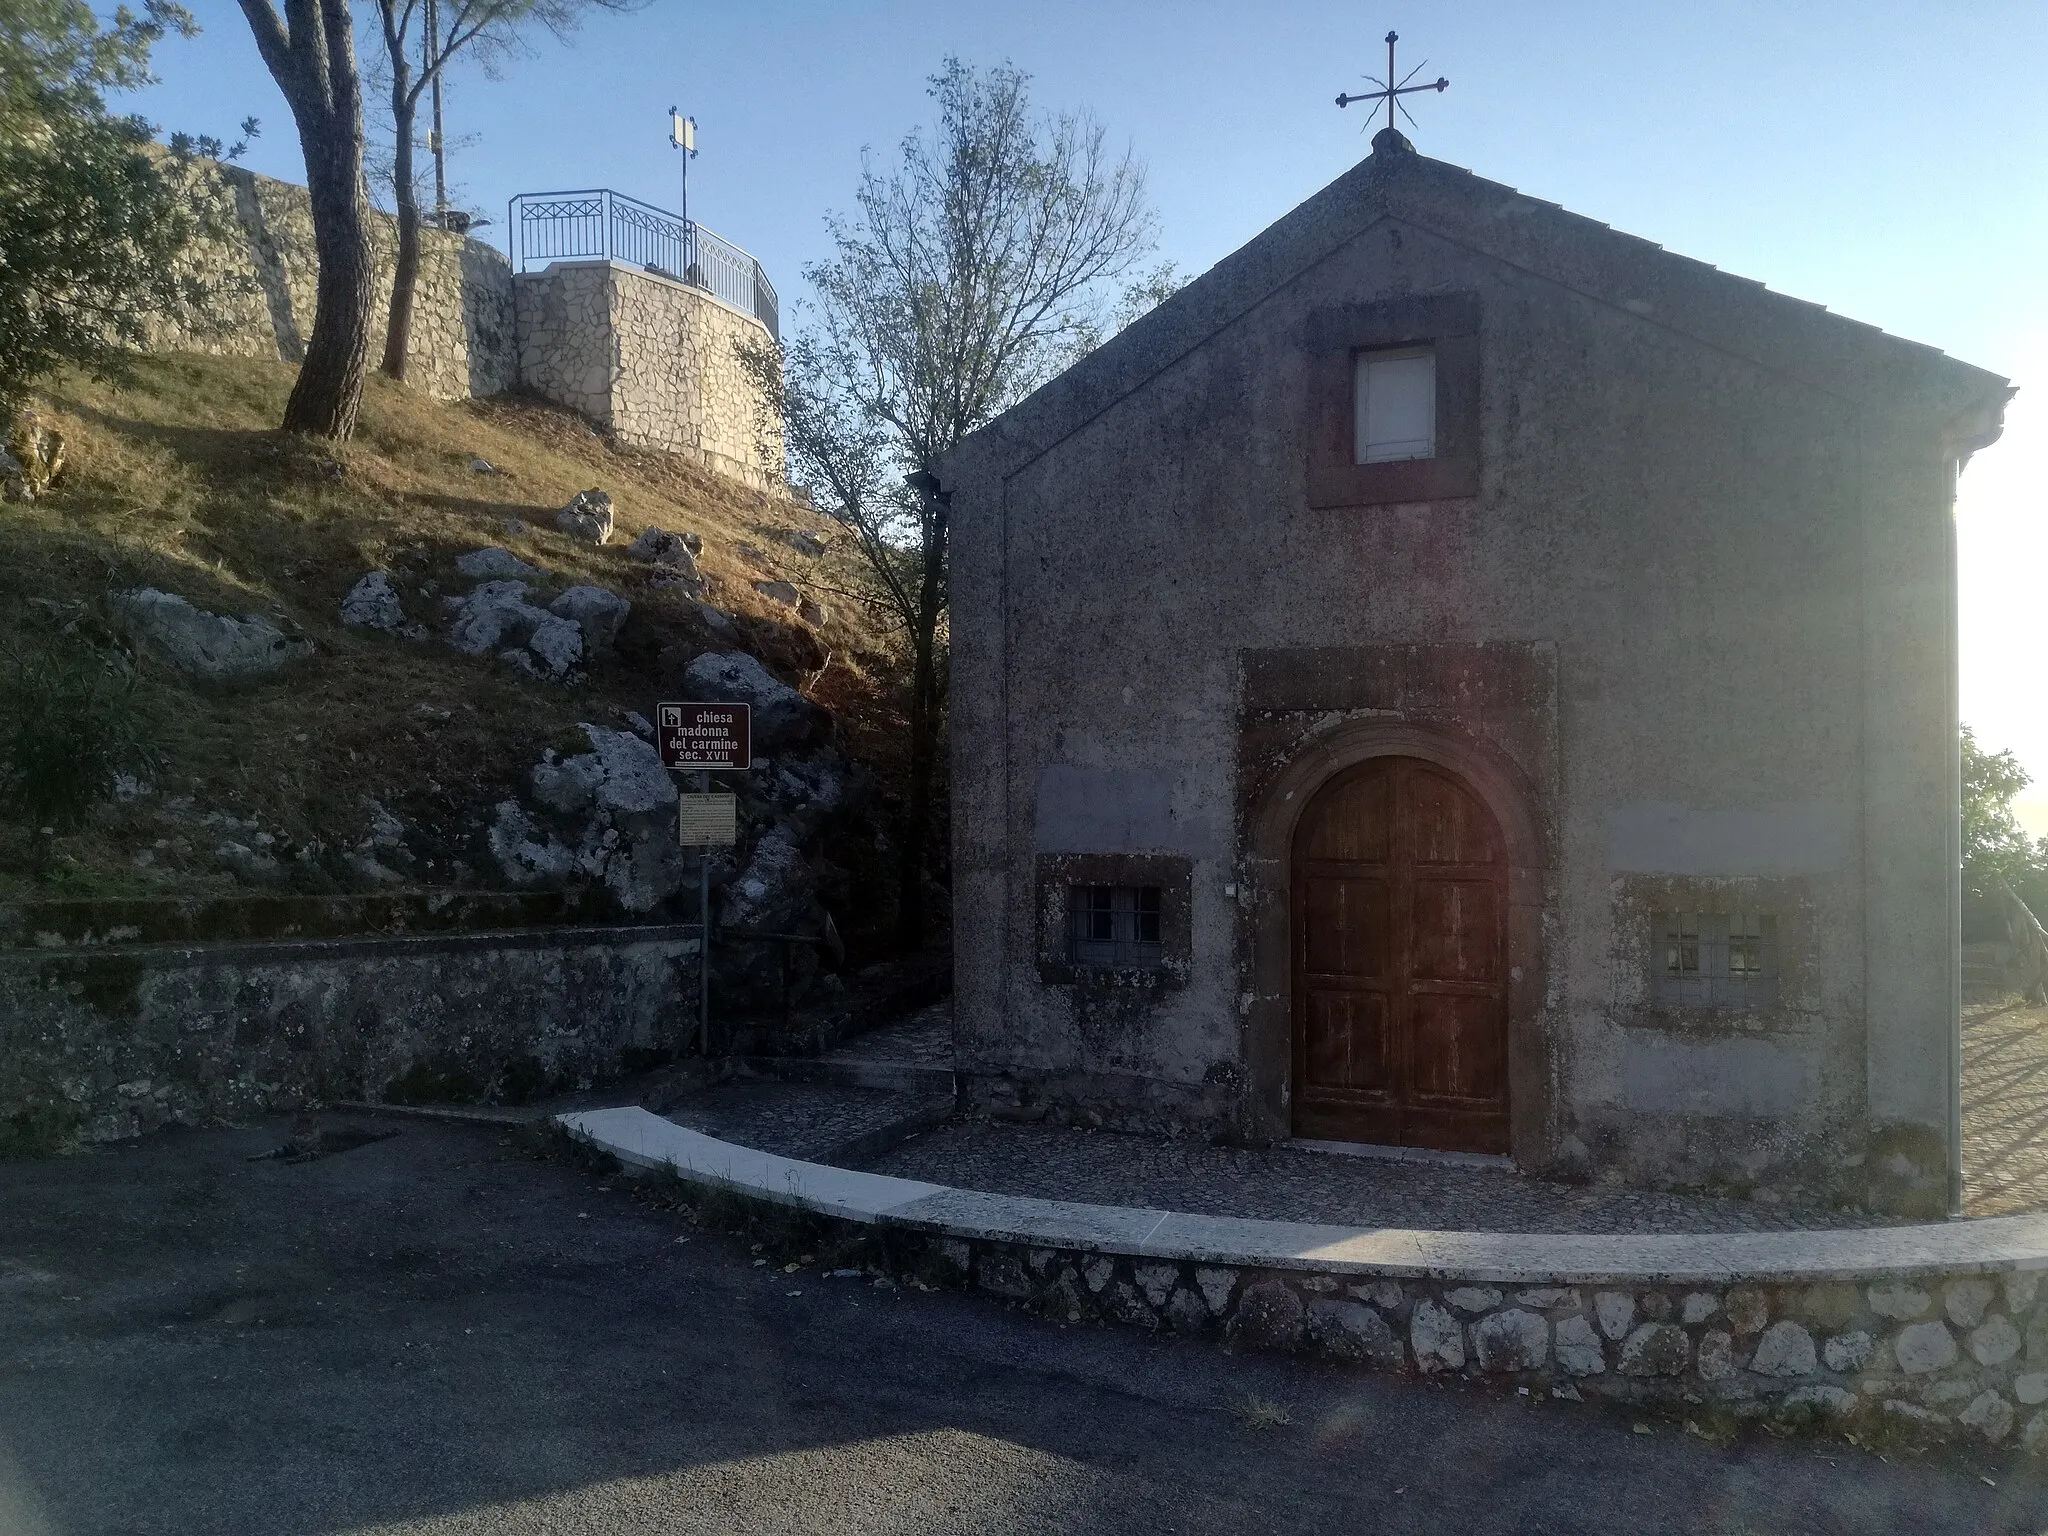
(703, 738)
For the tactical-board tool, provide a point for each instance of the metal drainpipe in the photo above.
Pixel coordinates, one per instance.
(1955, 906)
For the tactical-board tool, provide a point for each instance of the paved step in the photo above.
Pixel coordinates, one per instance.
(818, 1122)
(912, 1055)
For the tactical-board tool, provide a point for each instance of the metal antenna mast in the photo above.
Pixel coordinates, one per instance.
(1391, 91)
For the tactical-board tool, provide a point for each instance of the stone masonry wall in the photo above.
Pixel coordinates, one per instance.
(1927, 1358)
(653, 359)
(112, 1040)
(462, 337)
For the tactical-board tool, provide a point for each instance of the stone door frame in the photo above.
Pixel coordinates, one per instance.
(1267, 924)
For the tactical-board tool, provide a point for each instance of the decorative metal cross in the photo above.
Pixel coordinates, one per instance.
(1389, 91)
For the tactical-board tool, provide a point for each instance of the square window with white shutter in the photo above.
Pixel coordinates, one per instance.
(1394, 395)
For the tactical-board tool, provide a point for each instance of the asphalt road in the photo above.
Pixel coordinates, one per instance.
(440, 1333)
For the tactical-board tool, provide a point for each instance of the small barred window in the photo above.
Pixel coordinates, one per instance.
(1114, 925)
(1715, 959)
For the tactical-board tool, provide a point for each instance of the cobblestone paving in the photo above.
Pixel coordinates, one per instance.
(924, 1039)
(1284, 1184)
(805, 1120)
(2005, 1159)
(2005, 1108)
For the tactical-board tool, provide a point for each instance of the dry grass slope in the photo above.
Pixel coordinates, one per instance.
(177, 481)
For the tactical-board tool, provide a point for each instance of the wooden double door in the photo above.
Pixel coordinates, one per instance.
(1400, 909)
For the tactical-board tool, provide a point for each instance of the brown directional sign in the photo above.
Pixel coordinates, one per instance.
(704, 736)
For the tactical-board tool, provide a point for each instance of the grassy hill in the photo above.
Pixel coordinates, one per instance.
(177, 480)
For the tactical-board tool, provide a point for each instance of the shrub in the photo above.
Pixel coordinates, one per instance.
(71, 718)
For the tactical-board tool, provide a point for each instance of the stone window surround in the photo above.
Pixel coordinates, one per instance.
(1266, 927)
(1056, 876)
(1446, 323)
(1790, 900)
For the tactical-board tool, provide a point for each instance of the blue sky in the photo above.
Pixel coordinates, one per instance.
(1885, 159)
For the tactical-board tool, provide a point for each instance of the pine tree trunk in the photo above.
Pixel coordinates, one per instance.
(405, 274)
(329, 393)
(314, 64)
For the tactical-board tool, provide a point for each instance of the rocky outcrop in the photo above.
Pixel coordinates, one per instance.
(494, 564)
(207, 646)
(598, 613)
(606, 815)
(373, 603)
(783, 719)
(588, 518)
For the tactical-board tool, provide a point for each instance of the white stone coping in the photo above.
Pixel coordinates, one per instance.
(1989, 1244)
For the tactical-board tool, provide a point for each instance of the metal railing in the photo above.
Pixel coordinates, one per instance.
(602, 225)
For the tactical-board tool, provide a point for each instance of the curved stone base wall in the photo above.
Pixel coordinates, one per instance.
(1921, 1332)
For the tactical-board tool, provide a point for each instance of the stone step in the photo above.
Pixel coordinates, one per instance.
(911, 1077)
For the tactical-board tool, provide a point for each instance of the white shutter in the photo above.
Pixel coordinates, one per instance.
(1396, 401)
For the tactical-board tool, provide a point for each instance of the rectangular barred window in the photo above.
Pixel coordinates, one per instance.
(1114, 925)
(1715, 959)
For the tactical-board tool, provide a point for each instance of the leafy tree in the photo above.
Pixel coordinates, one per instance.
(1995, 846)
(487, 28)
(310, 51)
(92, 221)
(977, 266)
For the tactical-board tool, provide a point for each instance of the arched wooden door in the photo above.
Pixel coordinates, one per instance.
(1400, 901)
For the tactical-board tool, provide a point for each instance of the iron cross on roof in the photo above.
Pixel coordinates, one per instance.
(1389, 92)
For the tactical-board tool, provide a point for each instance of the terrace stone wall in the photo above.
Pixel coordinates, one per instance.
(110, 1031)
(649, 358)
(462, 341)
(655, 360)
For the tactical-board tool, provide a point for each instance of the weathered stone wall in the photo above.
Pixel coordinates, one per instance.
(109, 1040)
(462, 341)
(1934, 1347)
(653, 359)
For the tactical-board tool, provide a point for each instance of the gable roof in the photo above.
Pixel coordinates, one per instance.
(1736, 315)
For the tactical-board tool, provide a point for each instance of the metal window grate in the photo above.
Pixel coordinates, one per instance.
(1115, 925)
(1715, 959)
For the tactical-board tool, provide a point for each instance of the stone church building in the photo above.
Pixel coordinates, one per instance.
(1460, 677)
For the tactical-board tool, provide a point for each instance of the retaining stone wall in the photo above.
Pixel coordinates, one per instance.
(653, 359)
(109, 1041)
(1933, 1357)
(462, 331)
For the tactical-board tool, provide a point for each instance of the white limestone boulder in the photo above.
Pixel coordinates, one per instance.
(588, 519)
(783, 719)
(209, 646)
(599, 613)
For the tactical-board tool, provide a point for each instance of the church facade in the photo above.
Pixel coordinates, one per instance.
(1459, 677)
